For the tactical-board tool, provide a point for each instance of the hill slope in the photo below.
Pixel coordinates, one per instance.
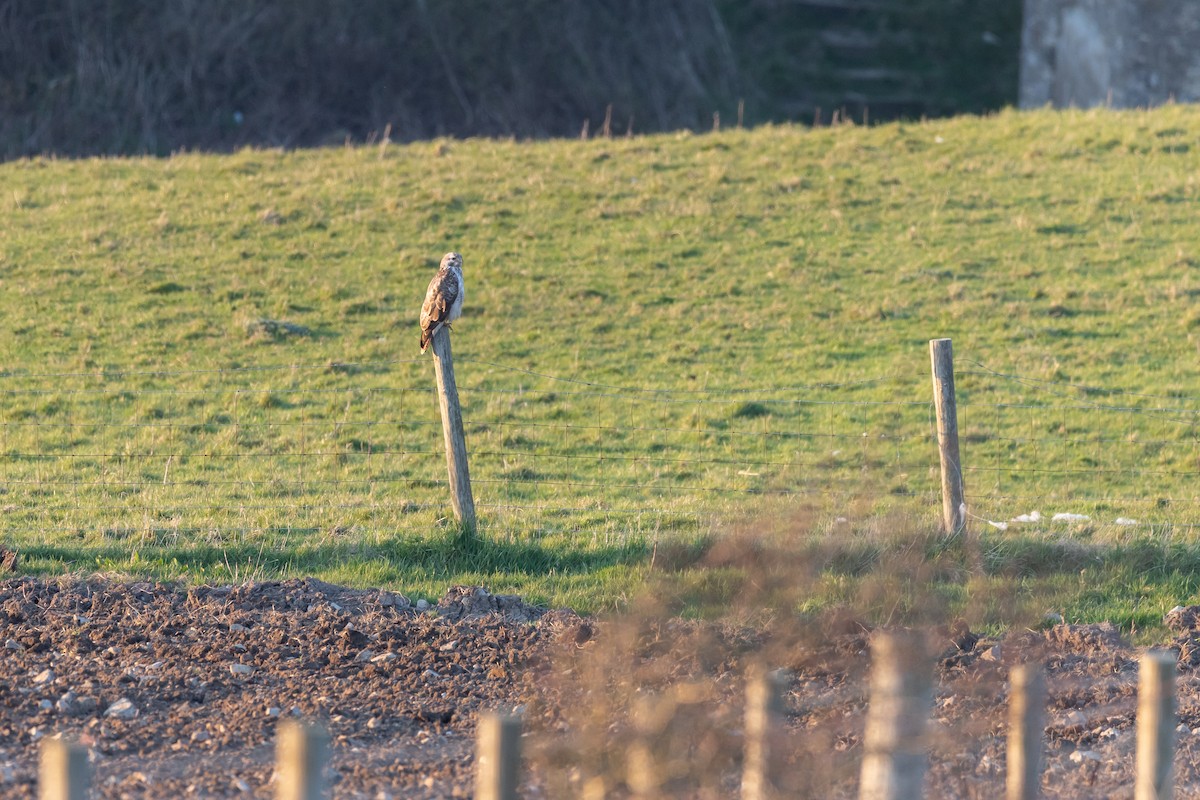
(211, 366)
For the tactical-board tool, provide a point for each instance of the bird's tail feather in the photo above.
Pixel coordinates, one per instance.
(427, 336)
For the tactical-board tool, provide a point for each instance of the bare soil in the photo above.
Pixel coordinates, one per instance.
(178, 691)
(210, 671)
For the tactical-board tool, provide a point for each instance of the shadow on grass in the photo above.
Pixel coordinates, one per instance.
(435, 557)
(1151, 558)
(462, 553)
(1011, 556)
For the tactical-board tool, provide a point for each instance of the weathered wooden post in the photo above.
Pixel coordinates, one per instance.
(63, 771)
(764, 713)
(1026, 723)
(901, 698)
(452, 428)
(301, 754)
(1155, 726)
(643, 773)
(497, 757)
(953, 511)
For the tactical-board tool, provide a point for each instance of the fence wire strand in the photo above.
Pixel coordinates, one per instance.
(127, 447)
(185, 439)
(1079, 461)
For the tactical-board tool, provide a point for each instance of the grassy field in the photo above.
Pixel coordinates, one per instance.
(210, 368)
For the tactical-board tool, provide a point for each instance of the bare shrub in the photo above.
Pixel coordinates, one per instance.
(127, 76)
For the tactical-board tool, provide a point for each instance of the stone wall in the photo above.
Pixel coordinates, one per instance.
(1124, 53)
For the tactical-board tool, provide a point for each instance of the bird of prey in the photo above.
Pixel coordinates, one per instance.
(443, 299)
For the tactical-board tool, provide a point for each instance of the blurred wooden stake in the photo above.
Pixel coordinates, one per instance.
(1026, 724)
(1155, 726)
(63, 771)
(301, 755)
(893, 766)
(497, 757)
(764, 716)
(643, 773)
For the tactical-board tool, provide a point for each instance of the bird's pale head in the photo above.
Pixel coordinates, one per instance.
(452, 260)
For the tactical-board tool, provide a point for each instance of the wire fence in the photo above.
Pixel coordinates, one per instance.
(1044, 452)
(297, 450)
(294, 451)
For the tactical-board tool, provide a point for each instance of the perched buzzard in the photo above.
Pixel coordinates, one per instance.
(443, 300)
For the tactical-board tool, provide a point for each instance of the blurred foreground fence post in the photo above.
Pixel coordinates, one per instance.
(497, 757)
(63, 771)
(642, 772)
(1026, 724)
(941, 354)
(1155, 726)
(461, 498)
(301, 754)
(901, 697)
(764, 716)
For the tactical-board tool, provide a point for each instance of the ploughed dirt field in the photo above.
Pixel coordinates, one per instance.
(178, 691)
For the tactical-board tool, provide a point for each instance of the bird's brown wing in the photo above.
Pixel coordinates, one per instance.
(442, 292)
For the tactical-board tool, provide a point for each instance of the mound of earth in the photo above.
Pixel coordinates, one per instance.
(178, 691)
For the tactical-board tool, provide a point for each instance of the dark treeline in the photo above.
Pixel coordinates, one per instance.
(129, 76)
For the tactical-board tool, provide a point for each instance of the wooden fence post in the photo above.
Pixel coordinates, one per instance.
(1026, 724)
(643, 773)
(764, 713)
(1155, 726)
(452, 428)
(497, 757)
(63, 771)
(301, 754)
(901, 698)
(953, 512)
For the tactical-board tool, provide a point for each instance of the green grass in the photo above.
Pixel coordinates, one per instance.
(210, 367)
